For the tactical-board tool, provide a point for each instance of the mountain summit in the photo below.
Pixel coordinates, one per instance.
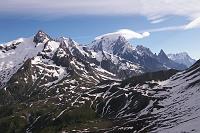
(40, 37)
(162, 56)
(113, 44)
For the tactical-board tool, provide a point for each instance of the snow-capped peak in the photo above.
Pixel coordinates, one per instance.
(41, 37)
(182, 58)
(112, 44)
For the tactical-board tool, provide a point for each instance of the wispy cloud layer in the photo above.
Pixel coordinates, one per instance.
(194, 24)
(155, 8)
(191, 25)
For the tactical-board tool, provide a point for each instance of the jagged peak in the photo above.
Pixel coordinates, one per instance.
(144, 50)
(41, 36)
(67, 42)
(162, 53)
(122, 39)
(162, 56)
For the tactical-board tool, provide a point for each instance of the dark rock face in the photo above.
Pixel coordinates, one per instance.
(18, 86)
(98, 47)
(162, 56)
(40, 37)
(7, 48)
(62, 60)
(119, 45)
(157, 76)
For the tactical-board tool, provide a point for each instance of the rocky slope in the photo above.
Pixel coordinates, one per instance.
(164, 101)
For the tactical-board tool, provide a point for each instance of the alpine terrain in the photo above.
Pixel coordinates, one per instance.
(57, 85)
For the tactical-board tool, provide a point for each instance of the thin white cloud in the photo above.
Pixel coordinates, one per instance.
(169, 28)
(191, 25)
(128, 34)
(194, 24)
(156, 21)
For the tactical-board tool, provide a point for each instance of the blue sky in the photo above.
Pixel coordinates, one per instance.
(173, 26)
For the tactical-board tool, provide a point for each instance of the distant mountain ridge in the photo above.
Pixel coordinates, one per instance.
(119, 46)
(182, 58)
(113, 54)
(163, 58)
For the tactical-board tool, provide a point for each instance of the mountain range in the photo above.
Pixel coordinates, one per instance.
(51, 85)
(119, 46)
